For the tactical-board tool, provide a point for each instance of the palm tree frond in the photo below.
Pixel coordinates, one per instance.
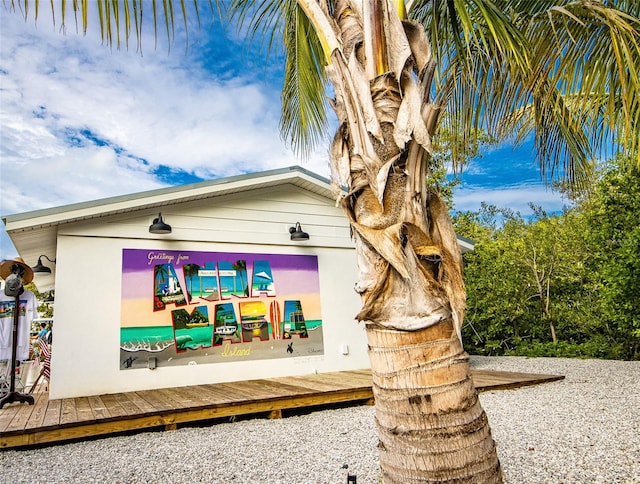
(480, 52)
(261, 19)
(590, 51)
(571, 66)
(115, 16)
(286, 25)
(303, 120)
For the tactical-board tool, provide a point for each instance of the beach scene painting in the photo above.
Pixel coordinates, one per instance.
(192, 330)
(263, 285)
(193, 307)
(226, 324)
(166, 287)
(201, 282)
(233, 279)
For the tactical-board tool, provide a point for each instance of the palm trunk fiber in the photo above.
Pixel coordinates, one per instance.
(431, 427)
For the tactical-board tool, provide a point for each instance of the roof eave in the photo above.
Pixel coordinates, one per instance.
(51, 217)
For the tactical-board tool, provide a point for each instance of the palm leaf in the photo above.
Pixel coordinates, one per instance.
(572, 67)
(303, 121)
(115, 16)
(476, 47)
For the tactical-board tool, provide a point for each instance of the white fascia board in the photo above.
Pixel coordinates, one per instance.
(165, 196)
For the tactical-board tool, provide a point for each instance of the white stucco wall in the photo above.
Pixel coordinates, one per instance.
(86, 346)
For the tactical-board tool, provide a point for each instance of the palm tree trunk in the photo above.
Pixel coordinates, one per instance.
(431, 427)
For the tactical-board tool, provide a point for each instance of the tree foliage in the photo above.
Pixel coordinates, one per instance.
(45, 300)
(561, 285)
(613, 228)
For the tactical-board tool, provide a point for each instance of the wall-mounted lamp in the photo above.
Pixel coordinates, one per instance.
(40, 267)
(297, 233)
(159, 227)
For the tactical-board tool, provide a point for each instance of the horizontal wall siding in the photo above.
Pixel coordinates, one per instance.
(261, 216)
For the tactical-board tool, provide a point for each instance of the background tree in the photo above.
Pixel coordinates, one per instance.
(565, 71)
(613, 227)
(573, 270)
(552, 257)
(497, 299)
(45, 300)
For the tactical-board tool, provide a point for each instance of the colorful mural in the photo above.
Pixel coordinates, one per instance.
(187, 307)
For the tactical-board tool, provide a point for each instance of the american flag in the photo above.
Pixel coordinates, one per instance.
(45, 351)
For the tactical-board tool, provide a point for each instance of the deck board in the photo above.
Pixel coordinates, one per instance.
(312, 383)
(283, 389)
(230, 393)
(169, 397)
(113, 406)
(128, 403)
(68, 412)
(39, 411)
(202, 394)
(217, 393)
(21, 418)
(83, 409)
(52, 414)
(155, 401)
(6, 416)
(486, 380)
(98, 408)
(50, 421)
(139, 401)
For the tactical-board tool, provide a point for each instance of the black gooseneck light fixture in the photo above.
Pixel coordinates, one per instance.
(297, 234)
(159, 227)
(40, 268)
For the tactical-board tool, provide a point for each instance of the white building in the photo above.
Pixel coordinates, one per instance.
(136, 310)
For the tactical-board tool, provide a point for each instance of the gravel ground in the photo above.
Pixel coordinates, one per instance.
(583, 429)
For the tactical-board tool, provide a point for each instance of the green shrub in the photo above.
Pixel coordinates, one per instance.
(597, 347)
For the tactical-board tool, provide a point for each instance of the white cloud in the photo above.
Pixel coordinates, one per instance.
(82, 122)
(153, 106)
(514, 198)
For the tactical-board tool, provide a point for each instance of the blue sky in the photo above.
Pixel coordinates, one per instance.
(81, 121)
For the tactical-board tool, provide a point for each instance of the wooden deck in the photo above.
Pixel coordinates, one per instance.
(50, 421)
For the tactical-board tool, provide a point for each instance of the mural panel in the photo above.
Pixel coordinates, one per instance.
(187, 307)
